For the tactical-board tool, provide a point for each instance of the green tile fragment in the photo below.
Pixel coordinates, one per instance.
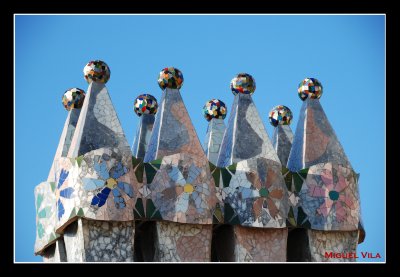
(288, 180)
(303, 173)
(212, 166)
(226, 177)
(73, 213)
(216, 173)
(80, 212)
(232, 168)
(150, 172)
(39, 200)
(139, 209)
(298, 182)
(150, 209)
(79, 160)
(157, 163)
(52, 237)
(139, 172)
(290, 218)
(53, 186)
(301, 216)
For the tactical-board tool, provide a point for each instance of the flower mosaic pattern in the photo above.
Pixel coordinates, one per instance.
(257, 197)
(329, 197)
(62, 191)
(108, 183)
(103, 186)
(183, 190)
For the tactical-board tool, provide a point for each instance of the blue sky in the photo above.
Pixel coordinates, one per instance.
(346, 53)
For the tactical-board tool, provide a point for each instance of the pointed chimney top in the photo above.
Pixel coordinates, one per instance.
(310, 87)
(243, 83)
(145, 104)
(170, 77)
(214, 108)
(73, 98)
(96, 71)
(280, 115)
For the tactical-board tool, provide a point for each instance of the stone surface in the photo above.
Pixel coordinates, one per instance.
(55, 253)
(98, 125)
(99, 241)
(143, 134)
(341, 243)
(254, 190)
(260, 245)
(183, 242)
(282, 140)
(212, 144)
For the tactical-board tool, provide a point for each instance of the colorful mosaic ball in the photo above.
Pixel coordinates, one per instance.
(97, 71)
(243, 83)
(145, 104)
(280, 115)
(310, 87)
(73, 98)
(214, 108)
(170, 77)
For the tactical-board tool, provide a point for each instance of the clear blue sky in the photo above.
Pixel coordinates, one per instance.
(346, 53)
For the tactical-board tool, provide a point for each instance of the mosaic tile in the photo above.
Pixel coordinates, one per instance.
(257, 194)
(323, 192)
(170, 77)
(173, 131)
(96, 71)
(282, 140)
(45, 203)
(243, 83)
(214, 108)
(260, 245)
(310, 87)
(145, 104)
(280, 115)
(183, 242)
(73, 98)
(329, 197)
(342, 243)
(45, 198)
(212, 144)
(255, 190)
(98, 126)
(183, 190)
(99, 241)
(246, 132)
(102, 183)
(143, 134)
(318, 143)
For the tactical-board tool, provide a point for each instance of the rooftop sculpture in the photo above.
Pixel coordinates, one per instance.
(240, 198)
